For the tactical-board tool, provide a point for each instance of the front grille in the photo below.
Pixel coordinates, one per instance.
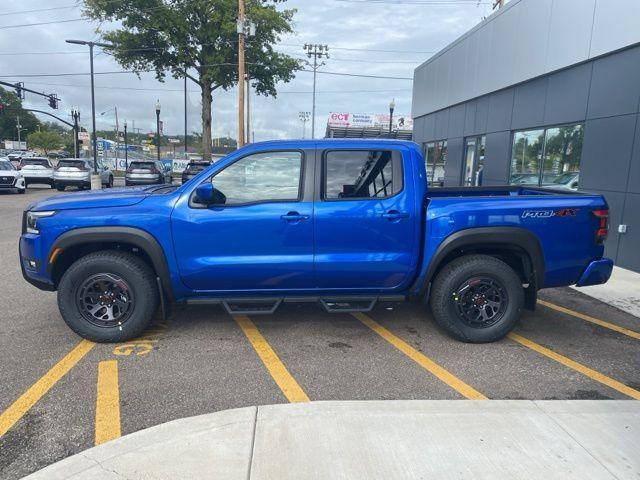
(7, 181)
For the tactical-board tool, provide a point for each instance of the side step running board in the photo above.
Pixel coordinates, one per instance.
(348, 305)
(268, 305)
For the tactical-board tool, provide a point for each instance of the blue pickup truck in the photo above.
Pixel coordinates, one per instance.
(345, 223)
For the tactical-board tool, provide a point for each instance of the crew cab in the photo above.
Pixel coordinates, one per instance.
(345, 223)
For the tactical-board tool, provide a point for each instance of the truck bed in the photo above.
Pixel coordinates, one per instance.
(498, 191)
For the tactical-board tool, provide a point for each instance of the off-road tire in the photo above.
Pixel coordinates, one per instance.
(133, 270)
(443, 297)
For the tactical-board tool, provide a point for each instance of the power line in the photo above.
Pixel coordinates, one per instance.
(419, 2)
(358, 75)
(5, 14)
(361, 49)
(6, 27)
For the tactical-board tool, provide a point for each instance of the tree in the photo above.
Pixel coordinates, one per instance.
(8, 120)
(45, 140)
(198, 39)
(65, 133)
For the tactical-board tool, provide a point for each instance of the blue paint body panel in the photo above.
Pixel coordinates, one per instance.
(338, 247)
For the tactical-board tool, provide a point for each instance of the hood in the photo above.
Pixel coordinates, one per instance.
(107, 198)
(9, 173)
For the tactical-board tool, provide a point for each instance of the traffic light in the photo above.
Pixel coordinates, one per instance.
(53, 101)
(19, 86)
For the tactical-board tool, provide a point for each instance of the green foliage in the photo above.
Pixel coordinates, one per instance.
(198, 38)
(45, 140)
(12, 109)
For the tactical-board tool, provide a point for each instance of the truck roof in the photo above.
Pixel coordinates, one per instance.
(332, 142)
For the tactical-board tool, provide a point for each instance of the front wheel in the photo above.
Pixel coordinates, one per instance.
(477, 298)
(108, 296)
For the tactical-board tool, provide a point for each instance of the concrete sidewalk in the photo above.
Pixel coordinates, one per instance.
(621, 291)
(510, 439)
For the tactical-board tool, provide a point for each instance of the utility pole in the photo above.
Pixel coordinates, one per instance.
(75, 114)
(240, 29)
(126, 147)
(185, 116)
(499, 4)
(248, 108)
(19, 128)
(316, 51)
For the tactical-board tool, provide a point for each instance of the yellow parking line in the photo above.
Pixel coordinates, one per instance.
(587, 318)
(425, 362)
(107, 402)
(578, 367)
(274, 365)
(28, 399)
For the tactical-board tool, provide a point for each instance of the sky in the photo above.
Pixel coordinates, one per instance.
(365, 37)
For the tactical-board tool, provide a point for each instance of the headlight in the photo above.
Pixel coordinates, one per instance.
(32, 220)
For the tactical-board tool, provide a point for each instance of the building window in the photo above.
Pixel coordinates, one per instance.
(473, 166)
(435, 155)
(547, 157)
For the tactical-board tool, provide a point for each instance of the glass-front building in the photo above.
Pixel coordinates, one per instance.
(504, 105)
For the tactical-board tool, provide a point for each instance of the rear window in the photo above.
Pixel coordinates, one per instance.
(141, 165)
(71, 163)
(35, 161)
(196, 167)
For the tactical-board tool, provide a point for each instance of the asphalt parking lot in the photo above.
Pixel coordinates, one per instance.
(60, 395)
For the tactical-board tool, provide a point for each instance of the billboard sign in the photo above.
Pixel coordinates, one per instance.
(366, 120)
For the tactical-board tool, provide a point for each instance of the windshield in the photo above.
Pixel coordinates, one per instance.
(6, 165)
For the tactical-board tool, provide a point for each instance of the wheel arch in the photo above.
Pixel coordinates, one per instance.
(78, 242)
(518, 247)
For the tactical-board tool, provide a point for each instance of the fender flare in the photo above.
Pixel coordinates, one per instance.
(503, 237)
(130, 235)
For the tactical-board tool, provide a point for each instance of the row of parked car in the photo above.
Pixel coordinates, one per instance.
(76, 172)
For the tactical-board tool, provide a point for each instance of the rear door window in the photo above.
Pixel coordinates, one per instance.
(358, 174)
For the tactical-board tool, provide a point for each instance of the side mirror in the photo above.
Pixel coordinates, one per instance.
(206, 194)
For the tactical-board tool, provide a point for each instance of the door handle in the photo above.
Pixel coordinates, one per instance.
(294, 217)
(395, 215)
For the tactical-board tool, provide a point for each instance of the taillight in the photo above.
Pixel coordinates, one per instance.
(603, 224)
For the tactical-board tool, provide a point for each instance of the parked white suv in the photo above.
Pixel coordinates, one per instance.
(77, 172)
(10, 178)
(36, 170)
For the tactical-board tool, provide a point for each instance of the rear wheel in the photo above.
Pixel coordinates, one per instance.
(477, 298)
(108, 296)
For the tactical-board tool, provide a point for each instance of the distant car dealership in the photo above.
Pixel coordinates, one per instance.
(542, 92)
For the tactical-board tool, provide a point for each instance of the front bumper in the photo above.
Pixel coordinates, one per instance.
(596, 273)
(28, 250)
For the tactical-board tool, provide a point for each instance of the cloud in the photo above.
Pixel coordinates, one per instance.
(335, 23)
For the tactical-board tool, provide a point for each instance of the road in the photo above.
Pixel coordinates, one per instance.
(60, 395)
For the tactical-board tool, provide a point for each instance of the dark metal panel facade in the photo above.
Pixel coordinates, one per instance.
(603, 94)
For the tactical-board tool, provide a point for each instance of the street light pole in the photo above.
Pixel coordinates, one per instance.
(158, 128)
(93, 99)
(304, 118)
(240, 30)
(126, 147)
(75, 114)
(316, 51)
(392, 107)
